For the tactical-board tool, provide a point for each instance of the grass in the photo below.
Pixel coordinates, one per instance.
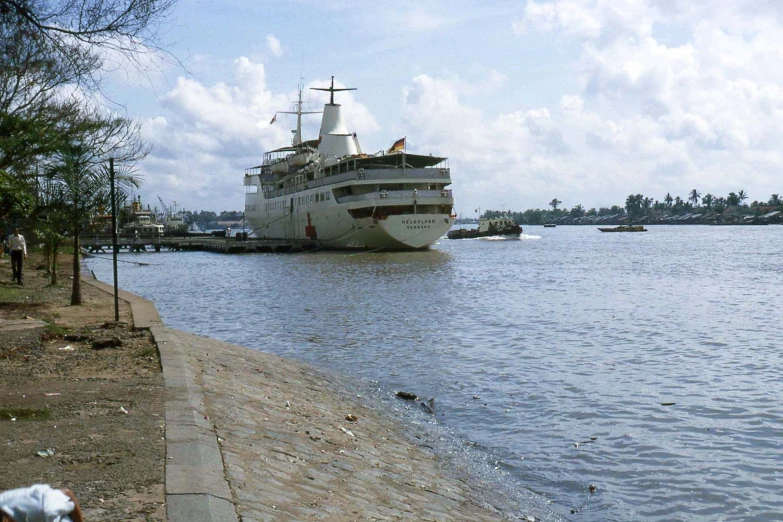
(10, 292)
(24, 414)
(55, 329)
(148, 352)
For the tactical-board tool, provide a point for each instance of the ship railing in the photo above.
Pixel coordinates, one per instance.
(366, 176)
(397, 195)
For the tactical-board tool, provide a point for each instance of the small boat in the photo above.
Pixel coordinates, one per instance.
(625, 228)
(549, 225)
(488, 227)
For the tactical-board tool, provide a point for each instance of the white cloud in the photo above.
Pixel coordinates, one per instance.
(210, 134)
(274, 46)
(671, 96)
(653, 117)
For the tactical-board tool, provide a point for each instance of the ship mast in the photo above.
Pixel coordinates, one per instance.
(298, 132)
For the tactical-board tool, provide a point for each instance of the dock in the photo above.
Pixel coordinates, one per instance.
(223, 245)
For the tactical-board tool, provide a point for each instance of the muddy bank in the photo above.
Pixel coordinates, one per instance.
(81, 401)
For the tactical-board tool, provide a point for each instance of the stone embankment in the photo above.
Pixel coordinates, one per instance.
(251, 436)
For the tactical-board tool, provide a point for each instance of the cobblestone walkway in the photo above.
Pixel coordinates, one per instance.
(290, 453)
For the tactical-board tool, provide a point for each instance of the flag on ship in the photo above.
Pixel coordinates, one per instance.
(274, 119)
(398, 145)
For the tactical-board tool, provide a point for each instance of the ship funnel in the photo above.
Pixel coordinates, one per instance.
(335, 140)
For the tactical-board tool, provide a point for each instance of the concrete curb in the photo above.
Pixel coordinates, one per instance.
(196, 485)
(144, 313)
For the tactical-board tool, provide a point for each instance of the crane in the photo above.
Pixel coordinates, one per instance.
(163, 206)
(163, 217)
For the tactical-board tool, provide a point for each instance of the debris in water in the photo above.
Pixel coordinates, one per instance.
(407, 395)
(668, 403)
(123, 410)
(347, 432)
(592, 488)
(45, 453)
(351, 417)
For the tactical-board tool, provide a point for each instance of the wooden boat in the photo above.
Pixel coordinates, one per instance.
(549, 225)
(625, 228)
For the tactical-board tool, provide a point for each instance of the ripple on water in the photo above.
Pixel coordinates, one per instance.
(564, 336)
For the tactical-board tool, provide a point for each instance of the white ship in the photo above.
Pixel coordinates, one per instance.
(327, 193)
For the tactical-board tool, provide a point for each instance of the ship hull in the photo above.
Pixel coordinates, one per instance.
(332, 226)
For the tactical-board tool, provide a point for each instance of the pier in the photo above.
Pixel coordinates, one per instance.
(223, 245)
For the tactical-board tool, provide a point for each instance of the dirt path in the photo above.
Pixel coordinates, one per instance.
(81, 398)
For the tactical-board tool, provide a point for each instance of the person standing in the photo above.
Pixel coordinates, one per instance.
(18, 252)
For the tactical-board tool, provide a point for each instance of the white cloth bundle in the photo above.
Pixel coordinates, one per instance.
(38, 503)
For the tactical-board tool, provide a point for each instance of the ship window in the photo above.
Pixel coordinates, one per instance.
(328, 196)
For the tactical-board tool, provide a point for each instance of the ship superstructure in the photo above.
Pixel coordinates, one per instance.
(327, 192)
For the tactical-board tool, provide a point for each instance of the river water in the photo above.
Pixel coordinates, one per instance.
(645, 364)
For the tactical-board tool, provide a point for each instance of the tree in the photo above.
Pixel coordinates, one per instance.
(668, 199)
(80, 186)
(633, 204)
(733, 199)
(50, 63)
(51, 225)
(707, 200)
(73, 31)
(554, 203)
(16, 197)
(774, 200)
(694, 197)
(578, 211)
(742, 196)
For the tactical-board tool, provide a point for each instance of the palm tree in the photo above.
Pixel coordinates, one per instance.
(82, 187)
(633, 204)
(694, 197)
(554, 203)
(707, 200)
(668, 199)
(51, 225)
(775, 200)
(742, 195)
(733, 199)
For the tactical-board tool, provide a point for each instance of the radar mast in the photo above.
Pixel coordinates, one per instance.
(331, 90)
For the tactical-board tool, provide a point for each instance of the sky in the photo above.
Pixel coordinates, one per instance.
(586, 101)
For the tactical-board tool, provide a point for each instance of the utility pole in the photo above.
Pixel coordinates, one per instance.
(114, 241)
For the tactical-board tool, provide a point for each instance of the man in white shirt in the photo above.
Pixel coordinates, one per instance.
(18, 253)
